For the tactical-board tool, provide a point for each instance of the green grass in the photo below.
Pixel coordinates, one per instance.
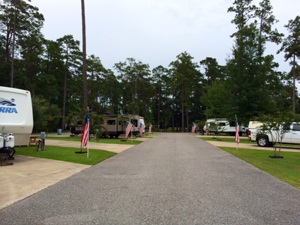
(246, 141)
(66, 154)
(286, 169)
(101, 140)
(225, 139)
(69, 155)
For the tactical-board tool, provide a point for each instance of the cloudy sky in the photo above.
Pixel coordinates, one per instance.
(154, 31)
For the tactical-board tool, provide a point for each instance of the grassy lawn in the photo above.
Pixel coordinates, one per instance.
(245, 141)
(101, 140)
(225, 139)
(69, 155)
(66, 154)
(286, 169)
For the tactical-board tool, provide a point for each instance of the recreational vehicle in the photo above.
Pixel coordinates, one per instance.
(16, 116)
(115, 124)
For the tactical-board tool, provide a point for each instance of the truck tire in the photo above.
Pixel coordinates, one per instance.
(263, 141)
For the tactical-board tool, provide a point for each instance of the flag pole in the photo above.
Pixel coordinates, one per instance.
(131, 136)
(83, 133)
(237, 135)
(88, 144)
(88, 133)
(131, 131)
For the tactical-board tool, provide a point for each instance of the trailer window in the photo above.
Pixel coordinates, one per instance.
(111, 122)
(134, 122)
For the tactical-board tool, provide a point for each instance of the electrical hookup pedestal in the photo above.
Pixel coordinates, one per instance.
(41, 142)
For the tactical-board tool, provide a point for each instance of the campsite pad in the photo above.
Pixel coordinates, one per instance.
(28, 175)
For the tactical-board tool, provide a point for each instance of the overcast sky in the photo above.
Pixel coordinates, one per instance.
(154, 31)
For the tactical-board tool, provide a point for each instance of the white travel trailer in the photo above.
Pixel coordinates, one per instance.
(137, 122)
(16, 114)
(115, 124)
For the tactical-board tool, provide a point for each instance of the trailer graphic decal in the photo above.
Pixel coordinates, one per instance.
(5, 102)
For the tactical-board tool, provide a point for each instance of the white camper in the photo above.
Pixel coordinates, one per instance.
(115, 124)
(16, 114)
(138, 123)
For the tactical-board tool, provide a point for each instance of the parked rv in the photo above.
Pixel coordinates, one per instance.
(138, 123)
(16, 118)
(114, 125)
(76, 130)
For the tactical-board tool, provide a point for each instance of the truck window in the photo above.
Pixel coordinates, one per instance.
(111, 122)
(296, 127)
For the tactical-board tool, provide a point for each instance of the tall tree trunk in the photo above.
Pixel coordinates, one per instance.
(159, 104)
(187, 119)
(84, 66)
(13, 46)
(294, 84)
(182, 115)
(173, 116)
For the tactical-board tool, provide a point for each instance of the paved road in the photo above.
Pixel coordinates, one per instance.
(170, 179)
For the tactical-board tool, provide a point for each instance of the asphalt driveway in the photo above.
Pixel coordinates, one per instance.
(170, 179)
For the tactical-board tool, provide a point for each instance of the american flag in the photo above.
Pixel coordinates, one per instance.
(150, 128)
(237, 129)
(194, 127)
(142, 128)
(85, 134)
(129, 127)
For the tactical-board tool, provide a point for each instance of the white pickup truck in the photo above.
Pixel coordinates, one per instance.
(289, 135)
